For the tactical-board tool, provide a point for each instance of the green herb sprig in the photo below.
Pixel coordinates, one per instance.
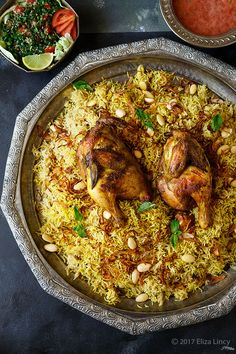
(82, 85)
(79, 228)
(175, 232)
(216, 122)
(146, 206)
(144, 118)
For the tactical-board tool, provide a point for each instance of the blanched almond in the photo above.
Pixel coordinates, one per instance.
(150, 131)
(148, 94)
(50, 247)
(226, 132)
(193, 89)
(142, 298)
(120, 113)
(143, 267)
(132, 243)
(143, 85)
(148, 100)
(135, 276)
(91, 103)
(233, 149)
(187, 236)
(106, 215)
(160, 120)
(47, 238)
(188, 258)
(79, 185)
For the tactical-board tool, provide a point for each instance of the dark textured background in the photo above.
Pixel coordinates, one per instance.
(31, 321)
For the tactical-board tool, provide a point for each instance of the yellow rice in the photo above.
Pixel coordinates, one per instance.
(103, 258)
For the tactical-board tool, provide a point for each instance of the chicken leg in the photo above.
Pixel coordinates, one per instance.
(186, 176)
(110, 170)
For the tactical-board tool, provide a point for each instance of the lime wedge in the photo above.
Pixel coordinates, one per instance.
(8, 54)
(38, 61)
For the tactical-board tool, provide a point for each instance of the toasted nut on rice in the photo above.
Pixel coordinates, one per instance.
(148, 94)
(142, 298)
(143, 85)
(91, 103)
(135, 276)
(160, 120)
(148, 99)
(47, 238)
(188, 258)
(132, 243)
(137, 154)
(50, 247)
(233, 149)
(143, 267)
(120, 113)
(193, 89)
(226, 132)
(106, 215)
(79, 185)
(150, 131)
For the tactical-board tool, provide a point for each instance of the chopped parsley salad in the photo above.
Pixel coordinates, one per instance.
(33, 29)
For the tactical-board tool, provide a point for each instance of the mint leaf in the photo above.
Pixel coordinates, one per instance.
(174, 226)
(146, 206)
(78, 215)
(80, 230)
(175, 232)
(174, 238)
(144, 118)
(82, 85)
(216, 122)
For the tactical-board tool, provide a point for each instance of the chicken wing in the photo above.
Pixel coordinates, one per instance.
(186, 176)
(109, 169)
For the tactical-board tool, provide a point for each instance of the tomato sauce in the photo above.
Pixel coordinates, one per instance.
(206, 17)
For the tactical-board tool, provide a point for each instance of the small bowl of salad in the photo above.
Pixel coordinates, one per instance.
(36, 35)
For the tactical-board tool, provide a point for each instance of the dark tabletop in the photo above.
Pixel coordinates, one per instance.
(31, 321)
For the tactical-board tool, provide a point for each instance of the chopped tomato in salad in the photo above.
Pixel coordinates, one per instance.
(63, 21)
(38, 26)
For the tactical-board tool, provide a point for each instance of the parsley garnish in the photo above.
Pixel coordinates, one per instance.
(216, 122)
(145, 118)
(146, 206)
(82, 85)
(175, 232)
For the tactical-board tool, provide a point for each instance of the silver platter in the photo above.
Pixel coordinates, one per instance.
(18, 202)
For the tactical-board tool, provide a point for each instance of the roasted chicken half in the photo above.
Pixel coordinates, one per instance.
(186, 176)
(109, 169)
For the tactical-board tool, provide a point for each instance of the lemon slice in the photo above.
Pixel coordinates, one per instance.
(38, 61)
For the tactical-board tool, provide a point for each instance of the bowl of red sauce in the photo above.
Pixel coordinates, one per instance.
(204, 23)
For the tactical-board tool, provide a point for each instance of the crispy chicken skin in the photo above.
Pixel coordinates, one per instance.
(109, 169)
(186, 176)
